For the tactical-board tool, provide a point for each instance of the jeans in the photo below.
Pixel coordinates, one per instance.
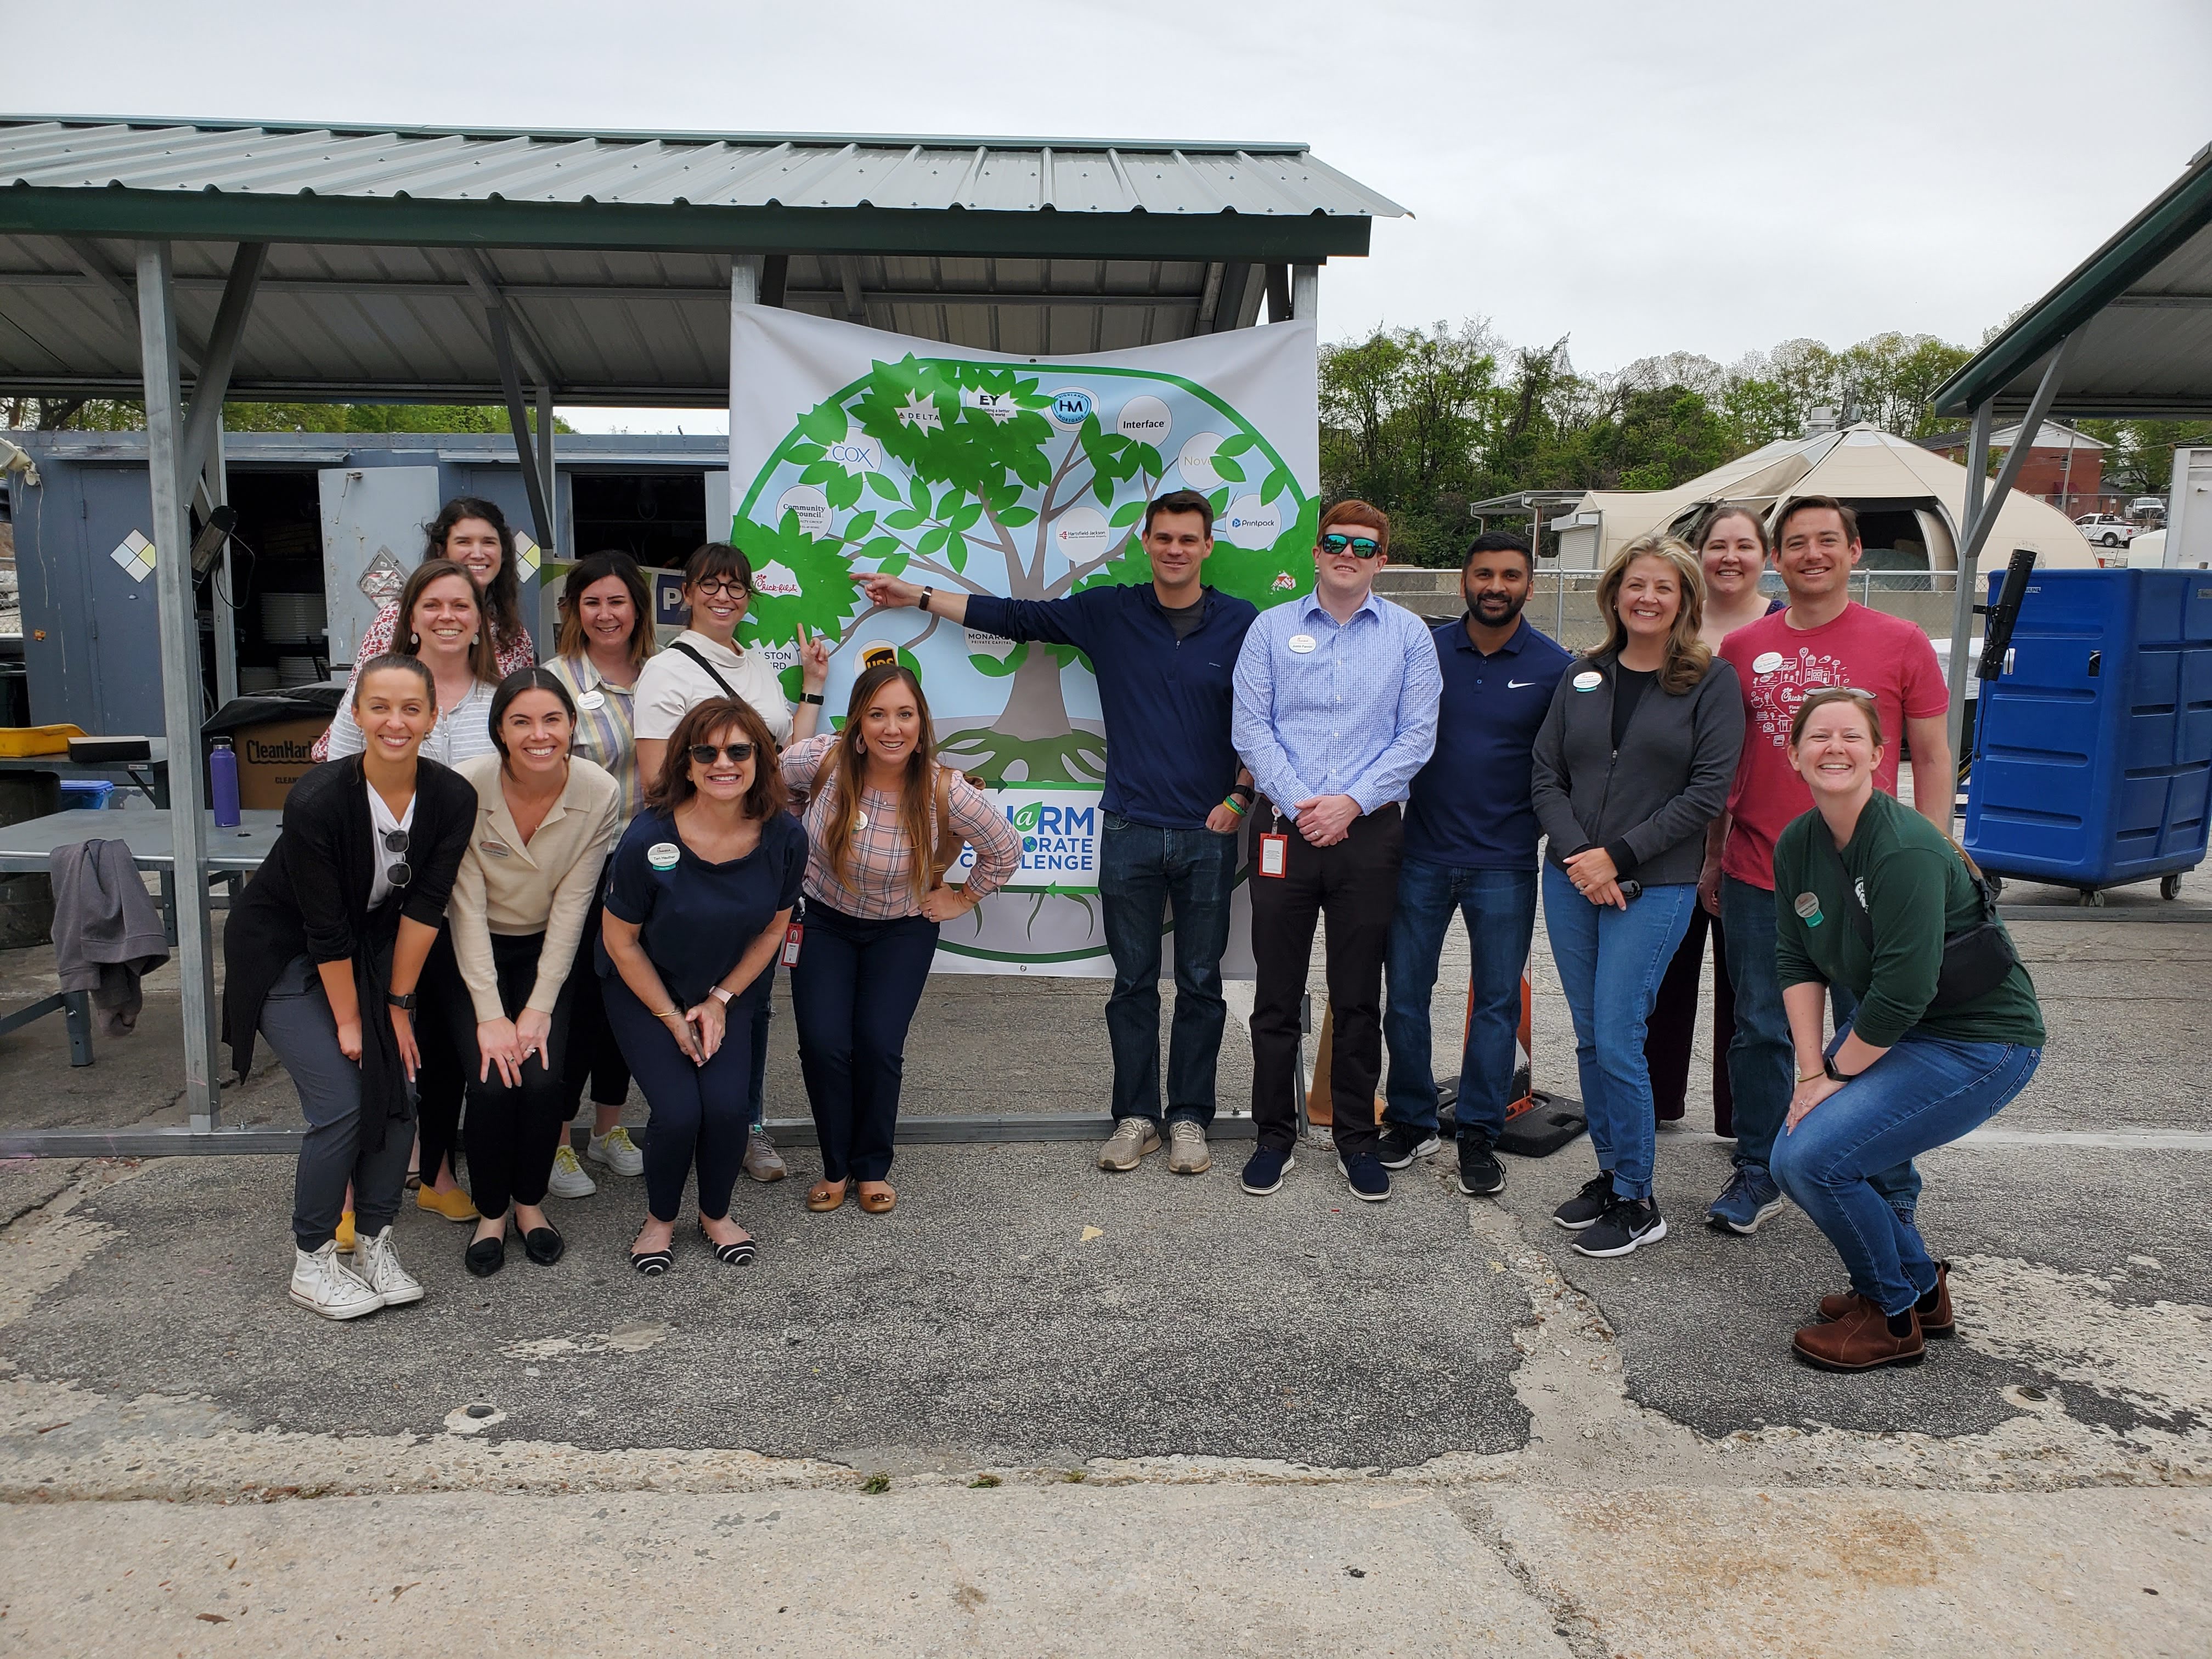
(297, 1020)
(1142, 871)
(1762, 1058)
(1610, 962)
(1670, 1043)
(1355, 883)
(1924, 1093)
(1499, 909)
(698, 1112)
(854, 992)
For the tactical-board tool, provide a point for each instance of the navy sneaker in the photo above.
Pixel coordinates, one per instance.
(1366, 1173)
(1583, 1209)
(1749, 1197)
(1398, 1145)
(1265, 1170)
(1627, 1225)
(1480, 1173)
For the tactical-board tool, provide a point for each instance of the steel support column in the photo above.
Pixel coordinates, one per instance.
(548, 479)
(518, 421)
(181, 677)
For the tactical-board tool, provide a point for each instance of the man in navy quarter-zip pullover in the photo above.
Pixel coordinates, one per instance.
(1164, 653)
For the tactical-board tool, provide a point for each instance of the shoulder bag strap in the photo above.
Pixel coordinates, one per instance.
(692, 651)
(946, 852)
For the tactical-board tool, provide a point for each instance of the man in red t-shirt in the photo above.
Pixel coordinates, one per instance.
(1822, 639)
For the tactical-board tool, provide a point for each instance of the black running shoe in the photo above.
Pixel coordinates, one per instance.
(1479, 1172)
(1587, 1206)
(1396, 1146)
(1627, 1225)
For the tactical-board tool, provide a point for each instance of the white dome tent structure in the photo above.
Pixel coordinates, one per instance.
(1911, 504)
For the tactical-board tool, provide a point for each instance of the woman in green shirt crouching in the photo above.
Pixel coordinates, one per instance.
(1878, 903)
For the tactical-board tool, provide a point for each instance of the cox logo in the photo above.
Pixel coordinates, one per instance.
(855, 454)
(1069, 408)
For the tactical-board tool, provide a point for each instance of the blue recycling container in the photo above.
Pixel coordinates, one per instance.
(93, 794)
(2093, 752)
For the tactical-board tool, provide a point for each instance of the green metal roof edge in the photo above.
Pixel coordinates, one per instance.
(212, 215)
(2179, 212)
(649, 134)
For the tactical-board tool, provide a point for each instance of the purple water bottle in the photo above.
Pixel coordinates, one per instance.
(222, 781)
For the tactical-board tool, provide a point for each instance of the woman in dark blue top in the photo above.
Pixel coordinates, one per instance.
(699, 894)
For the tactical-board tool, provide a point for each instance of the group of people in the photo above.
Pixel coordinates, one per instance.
(589, 871)
(508, 883)
(1657, 790)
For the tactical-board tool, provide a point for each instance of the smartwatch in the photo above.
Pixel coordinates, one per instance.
(719, 996)
(814, 698)
(927, 594)
(397, 1000)
(1835, 1076)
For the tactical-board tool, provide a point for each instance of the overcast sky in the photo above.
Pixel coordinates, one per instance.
(1696, 175)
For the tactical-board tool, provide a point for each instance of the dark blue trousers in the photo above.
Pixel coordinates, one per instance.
(700, 1112)
(854, 992)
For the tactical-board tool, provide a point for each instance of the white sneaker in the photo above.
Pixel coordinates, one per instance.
(322, 1284)
(568, 1179)
(378, 1265)
(1187, 1150)
(617, 1150)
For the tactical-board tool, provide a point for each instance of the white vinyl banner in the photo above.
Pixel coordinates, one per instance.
(853, 450)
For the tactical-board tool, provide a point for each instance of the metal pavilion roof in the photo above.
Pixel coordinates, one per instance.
(2140, 309)
(612, 250)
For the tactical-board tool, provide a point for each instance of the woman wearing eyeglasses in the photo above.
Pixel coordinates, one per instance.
(325, 951)
(698, 896)
(532, 876)
(705, 662)
(1945, 1032)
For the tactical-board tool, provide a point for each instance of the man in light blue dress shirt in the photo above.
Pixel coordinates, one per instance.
(1335, 710)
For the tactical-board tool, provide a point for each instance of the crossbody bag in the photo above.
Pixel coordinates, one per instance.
(1975, 958)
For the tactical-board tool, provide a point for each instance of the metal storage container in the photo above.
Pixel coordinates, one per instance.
(2093, 752)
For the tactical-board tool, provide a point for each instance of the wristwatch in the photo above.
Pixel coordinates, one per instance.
(1243, 792)
(719, 996)
(927, 594)
(1835, 1076)
(398, 1001)
(814, 698)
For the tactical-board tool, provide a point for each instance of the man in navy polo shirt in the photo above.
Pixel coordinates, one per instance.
(1471, 839)
(1163, 651)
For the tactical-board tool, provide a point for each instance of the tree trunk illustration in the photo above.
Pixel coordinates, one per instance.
(1036, 706)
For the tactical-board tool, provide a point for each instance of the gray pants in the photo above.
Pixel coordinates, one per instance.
(299, 1026)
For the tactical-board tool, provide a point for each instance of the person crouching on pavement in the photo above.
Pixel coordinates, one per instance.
(1633, 762)
(325, 949)
(1947, 1029)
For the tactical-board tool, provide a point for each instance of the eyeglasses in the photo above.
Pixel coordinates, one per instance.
(703, 754)
(1363, 547)
(714, 585)
(396, 842)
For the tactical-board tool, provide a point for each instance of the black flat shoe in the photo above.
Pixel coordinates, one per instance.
(652, 1263)
(486, 1256)
(544, 1246)
(730, 1255)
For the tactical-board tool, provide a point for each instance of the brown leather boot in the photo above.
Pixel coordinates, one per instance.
(1935, 1315)
(1859, 1341)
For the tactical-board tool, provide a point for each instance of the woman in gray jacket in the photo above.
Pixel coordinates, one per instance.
(1633, 760)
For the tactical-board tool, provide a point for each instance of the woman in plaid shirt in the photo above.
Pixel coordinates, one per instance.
(884, 821)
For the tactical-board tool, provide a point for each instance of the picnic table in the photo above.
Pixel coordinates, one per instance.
(150, 776)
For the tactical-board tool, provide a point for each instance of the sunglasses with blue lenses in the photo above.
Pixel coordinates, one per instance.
(1363, 547)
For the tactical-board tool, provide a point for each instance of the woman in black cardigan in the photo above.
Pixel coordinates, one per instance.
(323, 952)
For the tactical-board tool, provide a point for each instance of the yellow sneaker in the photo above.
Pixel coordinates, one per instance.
(345, 1234)
(455, 1206)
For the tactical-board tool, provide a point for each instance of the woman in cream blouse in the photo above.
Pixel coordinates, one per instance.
(544, 822)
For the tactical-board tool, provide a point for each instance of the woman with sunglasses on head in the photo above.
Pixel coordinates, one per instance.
(1634, 761)
(473, 534)
(544, 822)
(445, 633)
(606, 638)
(884, 821)
(1946, 1030)
(704, 662)
(1732, 549)
(325, 951)
(698, 897)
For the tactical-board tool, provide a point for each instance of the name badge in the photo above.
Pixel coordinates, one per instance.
(663, 854)
(497, 849)
(1302, 644)
(1588, 680)
(1274, 854)
(1807, 906)
(591, 702)
(791, 935)
(1765, 663)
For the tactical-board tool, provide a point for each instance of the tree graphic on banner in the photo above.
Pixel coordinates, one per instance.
(975, 477)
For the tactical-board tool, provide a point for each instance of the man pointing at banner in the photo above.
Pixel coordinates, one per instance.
(1163, 652)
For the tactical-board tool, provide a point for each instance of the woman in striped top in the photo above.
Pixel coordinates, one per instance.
(884, 821)
(606, 637)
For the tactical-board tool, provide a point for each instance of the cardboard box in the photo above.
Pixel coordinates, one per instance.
(271, 758)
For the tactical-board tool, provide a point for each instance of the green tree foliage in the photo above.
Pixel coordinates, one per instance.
(2141, 459)
(120, 414)
(1405, 415)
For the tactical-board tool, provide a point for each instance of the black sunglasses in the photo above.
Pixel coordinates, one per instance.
(703, 754)
(396, 842)
(1363, 547)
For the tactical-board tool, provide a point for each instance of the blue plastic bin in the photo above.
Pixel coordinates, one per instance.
(86, 794)
(2092, 753)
